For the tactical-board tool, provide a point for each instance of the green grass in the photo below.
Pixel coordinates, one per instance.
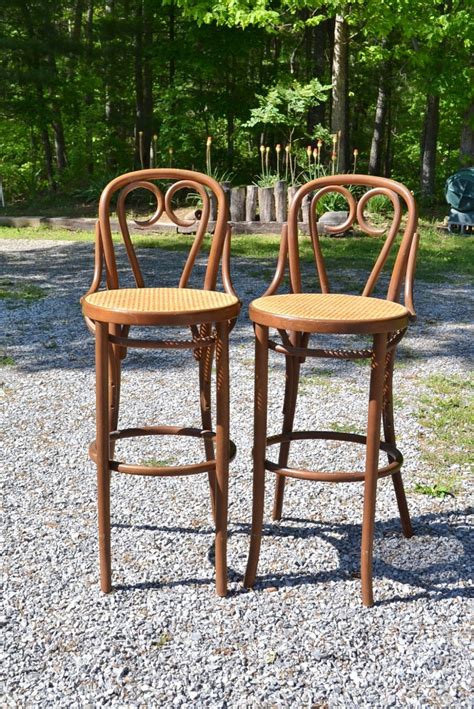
(6, 361)
(446, 413)
(14, 292)
(339, 427)
(158, 463)
(439, 254)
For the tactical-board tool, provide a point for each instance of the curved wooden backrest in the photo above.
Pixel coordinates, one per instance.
(203, 185)
(351, 187)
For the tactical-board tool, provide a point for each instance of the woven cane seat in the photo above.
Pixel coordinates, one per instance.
(331, 313)
(160, 306)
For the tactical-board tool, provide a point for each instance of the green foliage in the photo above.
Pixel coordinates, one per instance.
(83, 80)
(285, 105)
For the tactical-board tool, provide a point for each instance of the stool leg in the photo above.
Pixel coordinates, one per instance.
(205, 369)
(289, 407)
(389, 433)
(222, 455)
(102, 440)
(371, 464)
(259, 447)
(115, 371)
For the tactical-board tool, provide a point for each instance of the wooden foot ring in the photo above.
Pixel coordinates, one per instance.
(163, 471)
(395, 457)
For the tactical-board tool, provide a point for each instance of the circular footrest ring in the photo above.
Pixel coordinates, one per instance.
(162, 471)
(396, 458)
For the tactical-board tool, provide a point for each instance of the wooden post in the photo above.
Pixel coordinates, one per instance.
(237, 204)
(281, 201)
(305, 206)
(212, 207)
(291, 193)
(266, 204)
(251, 203)
(226, 186)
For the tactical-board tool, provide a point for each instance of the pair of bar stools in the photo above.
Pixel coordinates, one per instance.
(208, 316)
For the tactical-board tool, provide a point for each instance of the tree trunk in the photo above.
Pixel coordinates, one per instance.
(389, 141)
(59, 142)
(375, 159)
(88, 98)
(466, 151)
(428, 147)
(139, 89)
(171, 37)
(340, 91)
(318, 67)
(48, 157)
(147, 80)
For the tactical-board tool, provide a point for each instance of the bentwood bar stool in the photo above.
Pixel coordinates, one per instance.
(205, 315)
(301, 315)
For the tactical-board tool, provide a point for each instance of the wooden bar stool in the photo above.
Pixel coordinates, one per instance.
(299, 315)
(206, 314)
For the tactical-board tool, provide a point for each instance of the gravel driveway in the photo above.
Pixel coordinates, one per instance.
(301, 638)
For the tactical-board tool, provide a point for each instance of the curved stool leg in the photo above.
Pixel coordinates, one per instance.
(389, 433)
(205, 369)
(259, 447)
(102, 439)
(371, 464)
(222, 454)
(293, 366)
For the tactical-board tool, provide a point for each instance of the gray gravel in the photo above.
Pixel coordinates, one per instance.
(162, 638)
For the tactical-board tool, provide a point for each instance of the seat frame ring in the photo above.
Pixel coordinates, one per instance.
(161, 471)
(393, 453)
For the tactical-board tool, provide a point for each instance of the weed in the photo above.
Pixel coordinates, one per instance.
(340, 427)
(436, 490)
(7, 361)
(158, 463)
(317, 378)
(164, 638)
(14, 292)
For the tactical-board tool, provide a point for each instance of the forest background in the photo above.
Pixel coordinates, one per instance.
(93, 88)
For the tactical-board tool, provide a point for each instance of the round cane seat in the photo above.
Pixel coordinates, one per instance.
(160, 306)
(329, 313)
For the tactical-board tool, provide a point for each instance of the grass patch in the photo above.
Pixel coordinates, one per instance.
(157, 462)
(13, 292)
(316, 378)
(446, 413)
(436, 490)
(440, 254)
(339, 427)
(7, 361)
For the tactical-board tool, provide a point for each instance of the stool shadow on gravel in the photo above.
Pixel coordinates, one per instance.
(204, 531)
(436, 562)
